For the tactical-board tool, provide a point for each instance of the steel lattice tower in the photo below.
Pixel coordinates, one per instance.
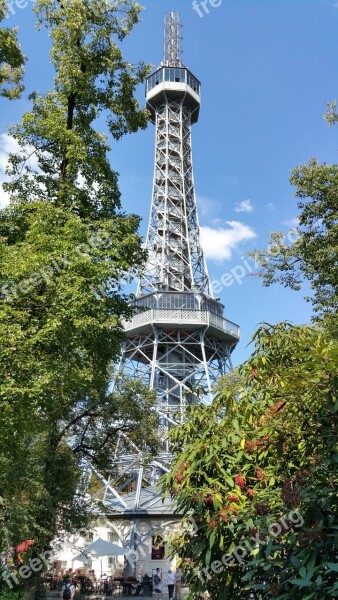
(178, 341)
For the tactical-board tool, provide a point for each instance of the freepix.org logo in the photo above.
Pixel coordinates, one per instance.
(203, 7)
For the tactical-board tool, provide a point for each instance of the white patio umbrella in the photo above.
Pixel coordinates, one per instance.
(100, 548)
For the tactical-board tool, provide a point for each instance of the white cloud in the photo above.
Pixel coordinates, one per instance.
(219, 243)
(244, 206)
(4, 197)
(271, 206)
(8, 145)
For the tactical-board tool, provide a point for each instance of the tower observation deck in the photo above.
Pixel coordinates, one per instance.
(178, 341)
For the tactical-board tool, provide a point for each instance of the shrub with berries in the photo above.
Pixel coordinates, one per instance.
(260, 475)
(250, 447)
(233, 498)
(240, 481)
(208, 499)
(276, 489)
(224, 516)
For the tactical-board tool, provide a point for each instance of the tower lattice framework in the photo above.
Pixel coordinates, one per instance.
(178, 341)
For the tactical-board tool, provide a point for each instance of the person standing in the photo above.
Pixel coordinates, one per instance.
(171, 584)
(104, 583)
(158, 584)
(147, 585)
(68, 590)
(178, 581)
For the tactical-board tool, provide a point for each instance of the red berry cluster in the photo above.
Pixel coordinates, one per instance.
(250, 447)
(260, 474)
(240, 481)
(208, 500)
(263, 441)
(180, 475)
(224, 516)
(228, 510)
(251, 493)
(233, 498)
(253, 373)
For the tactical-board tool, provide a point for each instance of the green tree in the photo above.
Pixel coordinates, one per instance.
(66, 246)
(314, 254)
(258, 471)
(11, 60)
(330, 114)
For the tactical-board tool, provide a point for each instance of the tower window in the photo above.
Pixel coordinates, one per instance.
(178, 301)
(154, 80)
(180, 75)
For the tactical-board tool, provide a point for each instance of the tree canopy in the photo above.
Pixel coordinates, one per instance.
(66, 249)
(11, 60)
(255, 475)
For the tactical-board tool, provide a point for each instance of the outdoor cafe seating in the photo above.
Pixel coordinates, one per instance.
(87, 587)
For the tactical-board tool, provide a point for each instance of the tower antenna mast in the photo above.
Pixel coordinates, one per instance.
(172, 40)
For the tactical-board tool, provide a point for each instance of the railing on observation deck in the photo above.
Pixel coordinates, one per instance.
(181, 317)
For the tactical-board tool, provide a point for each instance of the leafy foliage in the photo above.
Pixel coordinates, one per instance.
(6, 594)
(11, 60)
(66, 246)
(257, 471)
(330, 114)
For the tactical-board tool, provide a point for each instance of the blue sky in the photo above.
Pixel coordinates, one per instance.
(266, 67)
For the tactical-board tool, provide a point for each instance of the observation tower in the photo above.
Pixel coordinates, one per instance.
(178, 342)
